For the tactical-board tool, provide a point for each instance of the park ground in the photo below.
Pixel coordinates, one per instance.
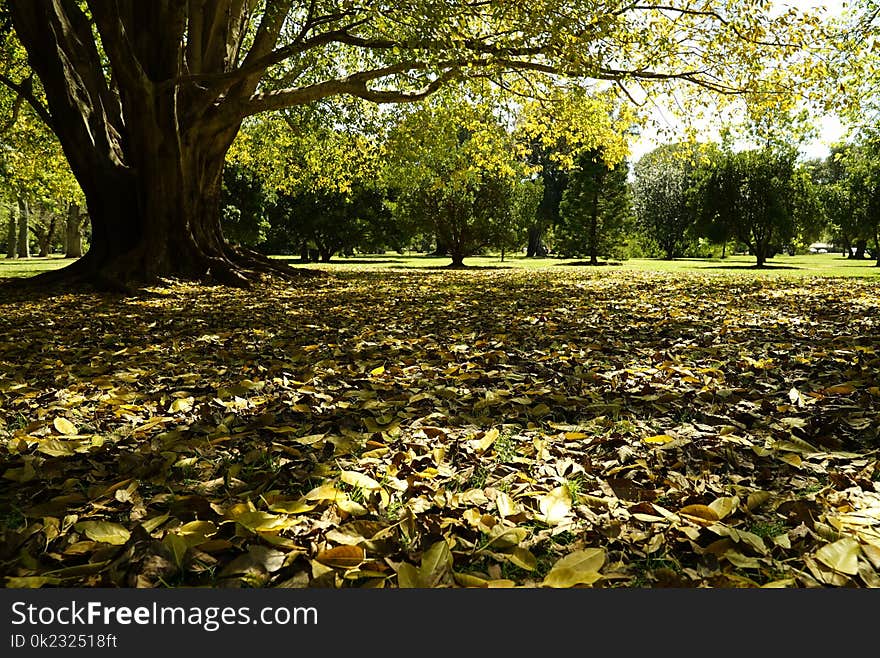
(648, 424)
(801, 265)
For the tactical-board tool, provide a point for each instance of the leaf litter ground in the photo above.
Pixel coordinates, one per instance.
(474, 428)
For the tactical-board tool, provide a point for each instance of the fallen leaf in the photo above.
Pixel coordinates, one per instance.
(342, 557)
(577, 568)
(841, 555)
(555, 506)
(104, 531)
(659, 439)
(64, 426)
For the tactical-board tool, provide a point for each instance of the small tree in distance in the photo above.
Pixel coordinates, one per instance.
(755, 194)
(665, 195)
(595, 208)
(456, 168)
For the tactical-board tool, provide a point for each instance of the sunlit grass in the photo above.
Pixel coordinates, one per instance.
(826, 265)
(831, 265)
(24, 267)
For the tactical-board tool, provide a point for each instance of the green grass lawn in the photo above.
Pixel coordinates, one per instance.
(832, 265)
(23, 267)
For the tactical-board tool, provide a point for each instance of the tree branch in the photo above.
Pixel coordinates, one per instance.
(24, 90)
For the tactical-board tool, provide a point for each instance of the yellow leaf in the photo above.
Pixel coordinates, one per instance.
(375, 372)
(408, 576)
(578, 568)
(260, 521)
(501, 583)
(350, 507)
(103, 531)
(181, 405)
(30, 582)
(502, 538)
(64, 426)
(324, 492)
(702, 514)
(360, 480)
(292, 507)
(839, 389)
(555, 505)
(523, 558)
(841, 555)
(724, 506)
(464, 580)
(55, 447)
(484, 443)
(436, 564)
(506, 505)
(659, 439)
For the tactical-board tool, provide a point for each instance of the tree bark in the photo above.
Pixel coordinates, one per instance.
(861, 246)
(73, 232)
(760, 255)
(457, 259)
(11, 229)
(148, 155)
(535, 246)
(24, 213)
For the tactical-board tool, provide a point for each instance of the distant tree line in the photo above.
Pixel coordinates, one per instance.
(453, 180)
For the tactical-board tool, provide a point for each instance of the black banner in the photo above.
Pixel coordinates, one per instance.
(105, 622)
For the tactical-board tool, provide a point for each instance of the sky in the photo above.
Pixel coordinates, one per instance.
(829, 127)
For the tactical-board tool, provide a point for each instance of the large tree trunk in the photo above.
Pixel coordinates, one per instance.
(24, 215)
(760, 255)
(861, 246)
(11, 229)
(148, 158)
(535, 246)
(73, 233)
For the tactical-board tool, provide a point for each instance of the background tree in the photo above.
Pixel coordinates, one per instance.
(313, 181)
(756, 194)
(862, 165)
(456, 167)
(556, 130)
(666, 195)
(147, 97)
(35, 178)
(244, 202)
(525, 203)
(595, 208)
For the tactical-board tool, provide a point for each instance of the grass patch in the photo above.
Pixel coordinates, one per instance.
(824, 265)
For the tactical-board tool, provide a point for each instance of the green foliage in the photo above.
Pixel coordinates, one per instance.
(595, 209)
(849, 193)
(244, 205)
(456, 169)
(758, 196)
(666, 194)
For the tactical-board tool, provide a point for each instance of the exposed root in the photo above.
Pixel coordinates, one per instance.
(265, 265)
(237, 267)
